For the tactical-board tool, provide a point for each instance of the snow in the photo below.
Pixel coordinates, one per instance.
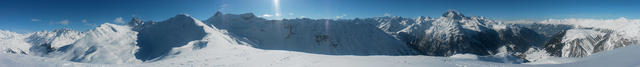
(628, 27)
(107, 44)
(499, 26)
(65, 37)
(244, 40)
(621, 57)
(574, 34)
(156, 40)
(222, 53)
(581, 34)
(321, 36)
(12, 42)
(48, 41)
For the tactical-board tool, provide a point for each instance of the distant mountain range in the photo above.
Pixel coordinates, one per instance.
(451, 34)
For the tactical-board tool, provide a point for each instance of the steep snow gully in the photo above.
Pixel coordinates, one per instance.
(452, 34)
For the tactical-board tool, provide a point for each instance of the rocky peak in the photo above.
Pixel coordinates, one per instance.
(453, 14)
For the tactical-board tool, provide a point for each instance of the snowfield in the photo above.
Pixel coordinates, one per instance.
(228, 55)
(244, 40)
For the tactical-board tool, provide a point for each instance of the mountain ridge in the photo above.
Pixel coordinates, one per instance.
(448, 35)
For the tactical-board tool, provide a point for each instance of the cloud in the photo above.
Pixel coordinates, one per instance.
(35, 20)
(291, 14)
(64, 22)
(521, 21)
(620, 24)
(118, 20)
(267, 15)
(223, 7)
(387, 14)
(90, 24)
(343, 15)
(578, 20)
(84, 20)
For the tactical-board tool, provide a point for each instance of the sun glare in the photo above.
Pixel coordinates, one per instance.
(276, 5)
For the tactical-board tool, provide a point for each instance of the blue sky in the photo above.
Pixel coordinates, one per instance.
(35, 15)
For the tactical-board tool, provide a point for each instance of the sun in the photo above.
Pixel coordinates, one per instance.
(276, 5)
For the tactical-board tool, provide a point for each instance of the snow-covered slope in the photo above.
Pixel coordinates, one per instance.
(156, 40)
(45, 42)
(11, 42)
(454, 33)
(394, 24)
(111, 43)
(621, 57)
(591, 35)
(108, 43)
(38, 43)
(582, 37)
(322, 36)
(584, 42)
(224, 54)
(244, 40)
(580, 41)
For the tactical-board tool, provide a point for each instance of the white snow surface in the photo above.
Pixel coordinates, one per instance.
(223, 53)
(108, 44)
(320, 36)
(595, 35)
(629, 28)
(234, 45)
(12, 42)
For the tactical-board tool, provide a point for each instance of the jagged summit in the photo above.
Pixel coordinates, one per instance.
(244, 15)
(453, 14)
(248, 15)
(218, 13)
(135, 22)
(182, 16)
(62, 30)
(135, 19)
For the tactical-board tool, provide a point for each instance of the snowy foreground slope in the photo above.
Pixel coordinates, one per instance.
(244, 40)
(227, 55)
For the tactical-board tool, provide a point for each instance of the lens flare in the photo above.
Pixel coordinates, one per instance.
(276, 5)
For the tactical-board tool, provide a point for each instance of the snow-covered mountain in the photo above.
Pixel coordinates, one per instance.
(111, 43)
(45, 42)
(322, 36)
(588, 36)
(578, 42)
(108, 43)
(11, 42)
(454, 33)
(38, 43)
(156, 40)
(247, 40)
